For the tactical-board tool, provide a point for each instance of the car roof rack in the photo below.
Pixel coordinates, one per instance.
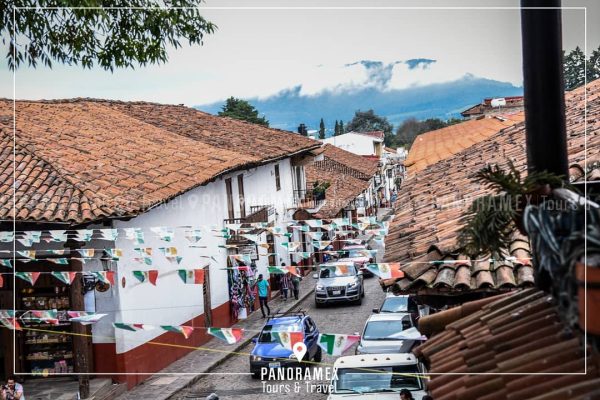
(298, 313)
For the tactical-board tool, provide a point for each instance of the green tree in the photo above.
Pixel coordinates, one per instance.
(411, 128)
(574, 69)
(367, 121)
(336, 129)
(104, 36)
(322, 129)
(593, 65)
(341, 127)
(242, 110)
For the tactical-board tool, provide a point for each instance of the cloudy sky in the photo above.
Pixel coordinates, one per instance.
(258, 52)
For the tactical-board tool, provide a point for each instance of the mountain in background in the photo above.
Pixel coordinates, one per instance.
(288, 108)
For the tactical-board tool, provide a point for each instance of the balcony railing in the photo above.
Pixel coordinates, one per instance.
(257, 214)
(307, 199)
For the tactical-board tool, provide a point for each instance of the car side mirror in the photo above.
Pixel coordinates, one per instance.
(254, 340)
(376, 310)
(315, 276)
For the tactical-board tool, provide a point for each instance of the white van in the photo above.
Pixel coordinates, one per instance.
(377, 376)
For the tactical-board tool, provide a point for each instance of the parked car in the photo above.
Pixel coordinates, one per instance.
(383, 333)
(338, 282)
(378, 377)
(400, 304)
(269, 353)
(358, 254)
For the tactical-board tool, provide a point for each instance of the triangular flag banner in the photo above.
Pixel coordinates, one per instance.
(105, 276)
(109, 234)
(132, 327)
(191, 276)
(245, 258)
(386, 271)
(291, 246)
(58, 236)
(340, 221)
(168, 251)
(57, 252)
(144, 260)
(193, 236)
(252, 238)
(85, 318)
(6, 263)
(315, 235)
(336, 345)
(25, 242)
(84, 235)
(303, 254)
(59, 261)
(163, 233)
(283, 270)
(368, 220)
(134, 234)
(233, 227)
(66, 277)
(10, 323)
(186, 331)
(6, 237)
(151, 276)
(46, 316)
(89, 253)
(314, 223)
(114, 253)
(230, 335)
(27, 254)
(288, 339)
(321, 244)
(29, 277)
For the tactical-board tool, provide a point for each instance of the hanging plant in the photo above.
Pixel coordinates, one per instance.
(491, 220)
(319, 189)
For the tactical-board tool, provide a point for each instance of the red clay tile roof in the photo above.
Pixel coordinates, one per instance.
(431, 147)
(520, 333)
(342, 190)
(358, 166)
(431, 202)
(348, 173)
(80, 161)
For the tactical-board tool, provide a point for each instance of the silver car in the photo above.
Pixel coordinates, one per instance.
(388, 333)
(338, 282)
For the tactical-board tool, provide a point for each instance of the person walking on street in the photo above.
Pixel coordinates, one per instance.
(262, 286)
(12, 390)
(286, 285)
(296, 282)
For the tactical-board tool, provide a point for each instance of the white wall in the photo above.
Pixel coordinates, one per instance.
(171, 302)
(354, 142)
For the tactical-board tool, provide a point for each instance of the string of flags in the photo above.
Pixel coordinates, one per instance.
(193, 234)
(9, 318)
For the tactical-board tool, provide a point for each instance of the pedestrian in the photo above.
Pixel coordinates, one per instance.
(286, 285)
(296, 282)
(262, 286)
(12, 390)
(279, 277)
(405, 394)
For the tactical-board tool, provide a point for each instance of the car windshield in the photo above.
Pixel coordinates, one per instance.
(386, 330)
(395, 304)
(333, 271)
(266, 337)
(377, 379)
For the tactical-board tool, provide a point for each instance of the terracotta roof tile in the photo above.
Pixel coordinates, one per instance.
(520, 333)
(79, 161)
(431, 202)
(431, 147)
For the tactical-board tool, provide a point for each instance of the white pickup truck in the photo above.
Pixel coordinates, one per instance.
(377, 376)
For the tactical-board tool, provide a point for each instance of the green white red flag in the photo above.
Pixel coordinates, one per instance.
(186, 331)
(283, 270)
(65, 277)
(132, 327)
(288, 339)
(29, 277)
(230, 335)
(191, 276)
(386, 271)
(336, 345)
(143, 276)
(105, 276)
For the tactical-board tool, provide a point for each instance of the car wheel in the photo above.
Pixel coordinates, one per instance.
(318, 305)
(362, 292)
(319, 356)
